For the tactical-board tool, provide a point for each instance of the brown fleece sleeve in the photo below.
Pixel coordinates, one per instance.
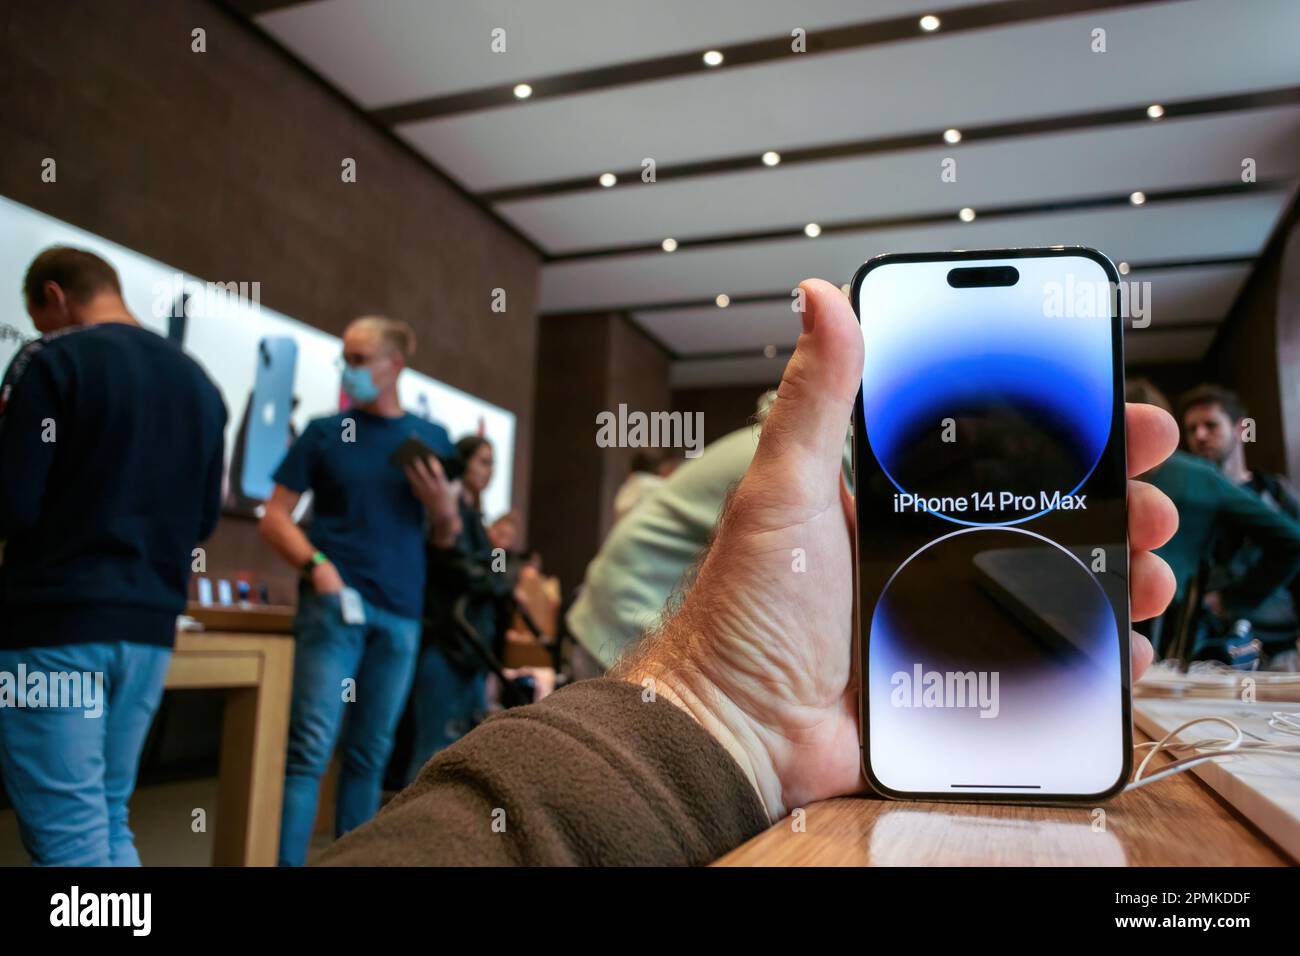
(593, 775)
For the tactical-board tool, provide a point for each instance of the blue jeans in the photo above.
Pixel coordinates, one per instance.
(377, 660)
(70, 770)
(447, 705)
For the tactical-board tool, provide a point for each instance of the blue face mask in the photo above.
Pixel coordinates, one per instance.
(358, 384)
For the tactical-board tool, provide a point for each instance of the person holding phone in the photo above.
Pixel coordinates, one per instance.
(743, 704)
(361, 595)
(465, 582)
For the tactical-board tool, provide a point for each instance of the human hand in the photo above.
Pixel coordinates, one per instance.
(764, 661)
(430, 485)
(325, 579)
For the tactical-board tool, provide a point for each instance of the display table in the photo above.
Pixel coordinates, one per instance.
(249, 655)
(1174, 822)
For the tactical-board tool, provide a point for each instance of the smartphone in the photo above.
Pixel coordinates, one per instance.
(178, 319)
(267, 437)
(992, 546)
(453, 467)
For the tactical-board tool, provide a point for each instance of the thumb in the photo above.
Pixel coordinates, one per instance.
(802, 439)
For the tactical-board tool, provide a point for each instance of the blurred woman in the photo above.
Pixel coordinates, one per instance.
(450, 692)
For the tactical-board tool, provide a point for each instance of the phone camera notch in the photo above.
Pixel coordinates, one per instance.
(975, 277)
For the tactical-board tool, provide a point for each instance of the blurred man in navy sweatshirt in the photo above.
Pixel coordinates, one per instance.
(110, 475)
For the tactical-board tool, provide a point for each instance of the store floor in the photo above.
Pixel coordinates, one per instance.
(162, 818)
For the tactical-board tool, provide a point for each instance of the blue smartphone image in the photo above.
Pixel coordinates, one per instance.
(178, 319)
(267, 437)
(989, 460)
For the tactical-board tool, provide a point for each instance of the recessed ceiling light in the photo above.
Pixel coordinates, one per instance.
(952, 136)
(812, 230)
(723, 300)
(929, 23)
(1137, 198)
(608, 179)
(1155, 111)
(669, 245)
(769, 351)
(523, 91)
(1123, 268)
(967, 214)
(771, 158)
(713, 58)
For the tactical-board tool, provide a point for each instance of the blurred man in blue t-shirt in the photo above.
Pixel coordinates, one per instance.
(361, 595)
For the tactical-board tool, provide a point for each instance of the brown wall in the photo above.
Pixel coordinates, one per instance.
(1258, 351)
(1288, 346)
(587, 364)
(1172, 378)
(226, 164)
(638, 378)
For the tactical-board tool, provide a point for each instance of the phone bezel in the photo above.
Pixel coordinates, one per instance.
(862, 615)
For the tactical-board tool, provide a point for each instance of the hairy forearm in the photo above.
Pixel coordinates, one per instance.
(667, 664)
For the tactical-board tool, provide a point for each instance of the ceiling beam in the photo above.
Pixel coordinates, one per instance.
(783, 296)
(831, 40)
(939, 217)
(926, 139)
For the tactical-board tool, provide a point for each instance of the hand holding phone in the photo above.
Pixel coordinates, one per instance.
(776, 589)
(453, 466)
(430, 484)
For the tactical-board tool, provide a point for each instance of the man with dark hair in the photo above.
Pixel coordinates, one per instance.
(1211, 393)
(1213, 420)
(62, 272)
(110, 474)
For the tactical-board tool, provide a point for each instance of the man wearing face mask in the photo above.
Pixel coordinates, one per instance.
(357, 629)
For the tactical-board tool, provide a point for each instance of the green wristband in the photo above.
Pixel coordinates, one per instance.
(317, 558)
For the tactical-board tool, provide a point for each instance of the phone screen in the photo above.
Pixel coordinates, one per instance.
(992, 526)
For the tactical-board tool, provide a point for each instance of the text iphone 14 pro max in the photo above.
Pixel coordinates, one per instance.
(992, 546)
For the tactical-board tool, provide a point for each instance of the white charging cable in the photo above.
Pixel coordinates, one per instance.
(1212, 748)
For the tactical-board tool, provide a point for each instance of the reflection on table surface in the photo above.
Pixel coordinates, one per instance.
(1176, 822)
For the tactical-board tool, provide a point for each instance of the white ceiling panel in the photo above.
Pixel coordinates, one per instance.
(1191, 48)
(386, 52)
(1175, 296)
(1203, 294)
(1169, 154)
(393, 51)
(737, 328)
(1223, 227)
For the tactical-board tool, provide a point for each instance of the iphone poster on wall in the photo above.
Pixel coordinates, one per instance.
(275, 373)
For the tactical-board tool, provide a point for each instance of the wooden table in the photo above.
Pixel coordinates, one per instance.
(255, 669)
(1176, 822)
